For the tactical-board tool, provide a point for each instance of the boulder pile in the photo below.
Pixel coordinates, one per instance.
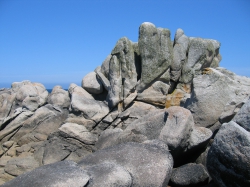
(156, 113)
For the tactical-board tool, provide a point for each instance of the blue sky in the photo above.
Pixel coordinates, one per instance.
(57, 42)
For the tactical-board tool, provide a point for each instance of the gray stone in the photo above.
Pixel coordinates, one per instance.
(15, 124)
(37, 127)
(189, 175)
(108, 174)
(243, 116)
(64, 174)
(208, 99)
(150, 125)
(200, 137)
(181, 44)
(92, 84)
(82, 101)
(80, 120)
(79, 132)
(6, 101)
(18, 166)
(149, 165)
(155, 94)
(105, 66)
(108, 138)
(122, 72)
(177, 130)
(155, 51)
(228, 159)
(59, 97)
(102, 78)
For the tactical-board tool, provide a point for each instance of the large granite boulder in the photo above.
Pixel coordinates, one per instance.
(92, 84)
(65, 173)
(208, 99)
(194, 175)
(108, 174)
(84, 103)
(242, 118)
(59, 97)
(148, 164)
(228, 159)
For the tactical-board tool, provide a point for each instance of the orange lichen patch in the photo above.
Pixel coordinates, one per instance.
(174, 99)
(207, 71)
(186, 88)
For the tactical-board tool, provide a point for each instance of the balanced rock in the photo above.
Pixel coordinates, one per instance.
(92, 84)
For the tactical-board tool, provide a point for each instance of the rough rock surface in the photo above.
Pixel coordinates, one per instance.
(65, 173)
(208, 100)
(228, 159)
(139, 160)
(108, 174)
(150, 105)
(189, 175)
(92, 84)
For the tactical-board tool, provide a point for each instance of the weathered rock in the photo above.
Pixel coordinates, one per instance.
(65, 173)
(108, 138)
(228, 159)
(28, 89)
(80, 120)
(18, 166)
(92, 84)
(177, 130)
(37, 127)
(102, 78)
(14, 125)
(105, 66)
(6, 101)
(243, 116)
(108, 174)
(156, 53)
(189, 175)
(82, 101)
(149, 165)
(59, 97)
(181, 43)
(79, 132)
(199, 137)
(155, 94)
(149, 125)
(122, 72)
(208, 99)
(177, 98)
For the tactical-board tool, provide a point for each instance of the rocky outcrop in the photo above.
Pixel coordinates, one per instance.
(155, 113)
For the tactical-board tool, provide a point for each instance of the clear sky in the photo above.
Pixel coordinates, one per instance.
(57, 42)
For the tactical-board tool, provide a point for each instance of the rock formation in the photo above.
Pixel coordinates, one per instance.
(155, 113)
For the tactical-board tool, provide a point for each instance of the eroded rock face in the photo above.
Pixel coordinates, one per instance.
(229, 156)
(149, 106)
(156, 53)
(65, 173)
(208, 100)
(139, 160)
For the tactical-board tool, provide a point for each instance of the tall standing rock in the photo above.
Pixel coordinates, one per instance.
(181, 44)
(122, 71)
(156, 53)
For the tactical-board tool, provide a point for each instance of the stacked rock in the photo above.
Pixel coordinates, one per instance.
(155, 113)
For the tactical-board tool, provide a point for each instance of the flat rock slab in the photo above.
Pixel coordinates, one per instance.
(149, 165)
(63, 174)
(228, 160)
